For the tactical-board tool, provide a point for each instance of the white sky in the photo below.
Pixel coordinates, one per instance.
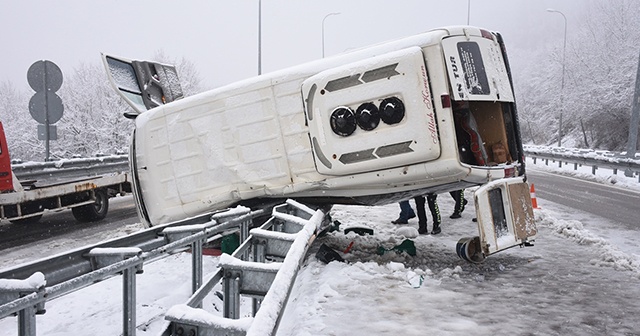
(220, 37)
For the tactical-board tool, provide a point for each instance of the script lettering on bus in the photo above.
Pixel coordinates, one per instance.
(426, 99)
(426, 95)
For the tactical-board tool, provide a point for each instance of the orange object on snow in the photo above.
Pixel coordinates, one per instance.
(534, 201)
(349, 247)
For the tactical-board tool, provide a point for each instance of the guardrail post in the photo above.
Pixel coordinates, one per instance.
(575, 166)
(593, 170)
(231, 290)
(20, 289)
(244, 225)
(104, 257)
(244, 235)
(196, 267)
(129, 301)
(259, 250)
(177, 233)
(259, 247)
(27, 322)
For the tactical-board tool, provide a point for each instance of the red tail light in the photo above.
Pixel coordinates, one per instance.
(486, 34)
(446, 101)
(510, 172)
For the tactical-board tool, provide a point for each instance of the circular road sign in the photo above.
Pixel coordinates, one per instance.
(53, 106)
(44, 75)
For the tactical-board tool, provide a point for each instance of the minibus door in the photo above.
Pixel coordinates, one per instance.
(143, 85)
(505, 219)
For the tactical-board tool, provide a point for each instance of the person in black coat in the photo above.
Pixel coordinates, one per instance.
(422, 215)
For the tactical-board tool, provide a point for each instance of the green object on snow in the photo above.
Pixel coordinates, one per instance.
(230, 243)
(406, 246)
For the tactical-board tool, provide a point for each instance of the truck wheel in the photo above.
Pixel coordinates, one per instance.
(26, 221)
(93, 212)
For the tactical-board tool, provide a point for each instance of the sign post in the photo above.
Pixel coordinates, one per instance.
(45, 78)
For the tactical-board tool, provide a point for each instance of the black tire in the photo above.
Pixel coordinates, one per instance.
(93, 212)
(27, 221)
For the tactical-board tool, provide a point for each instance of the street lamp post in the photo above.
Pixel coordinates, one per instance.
(259, 37)
(564, 49)
(325, 17)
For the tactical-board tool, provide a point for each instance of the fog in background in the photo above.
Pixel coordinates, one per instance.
(221, 37)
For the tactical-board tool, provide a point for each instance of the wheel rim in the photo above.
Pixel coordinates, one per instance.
(100, 202)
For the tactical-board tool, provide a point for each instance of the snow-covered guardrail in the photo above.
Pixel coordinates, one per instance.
(25, 289)
(71, 168)
(287, 237)
(263, 267)
(582, 157)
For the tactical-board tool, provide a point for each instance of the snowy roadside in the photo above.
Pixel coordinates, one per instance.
(602, 175)
(563, 285)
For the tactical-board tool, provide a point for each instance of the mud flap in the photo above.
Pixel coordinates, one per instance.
(505, 218)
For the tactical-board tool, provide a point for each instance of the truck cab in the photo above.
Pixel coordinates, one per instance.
(6, 176)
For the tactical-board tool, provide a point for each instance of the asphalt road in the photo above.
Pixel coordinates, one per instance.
(62, 225)
(615, 203)
(60, 230)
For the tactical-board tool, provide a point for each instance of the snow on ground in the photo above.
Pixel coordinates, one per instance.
(576, 280)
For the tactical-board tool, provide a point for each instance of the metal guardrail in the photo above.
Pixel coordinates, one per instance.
(67, 272)
(71, 168)
(263, 267)
(610, 161)
(286, 237)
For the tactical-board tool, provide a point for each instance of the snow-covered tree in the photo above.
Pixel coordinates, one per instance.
(190, 79)
(600, 66)
(19, 127)
(92, 121)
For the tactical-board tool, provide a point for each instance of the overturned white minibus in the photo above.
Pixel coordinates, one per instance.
(372, 126)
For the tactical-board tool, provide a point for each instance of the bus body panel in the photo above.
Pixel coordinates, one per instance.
(262, 137)
(477, 70)
(362, 88)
